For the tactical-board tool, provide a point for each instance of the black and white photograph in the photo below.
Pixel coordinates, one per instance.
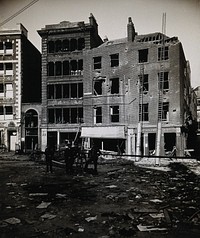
(99, 118)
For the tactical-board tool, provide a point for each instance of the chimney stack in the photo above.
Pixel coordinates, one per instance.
(130, 30)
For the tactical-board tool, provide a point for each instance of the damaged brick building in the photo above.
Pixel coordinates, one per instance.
(99, 90)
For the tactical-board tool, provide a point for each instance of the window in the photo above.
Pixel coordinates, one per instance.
(66, 45)
(114, 60)
(65, 90)
(1, 66)
(50, 47)
(50, 69)
(8, 110)
(66, 115)
(98, 112)
(51, 116)
(8, 66)
(1, 88)
(165, 111)
(163, 53)
(58, 46)
(97, 62)
(98, 87)
(114, 112)
(8, 45)
(144, 80)
(66, 68)
(1, 110)
(58, 91)
(73, 44)
(80, 90)
(50, 91)
(163, 80)
(81, 43)
(58, 115)
(143, 55)
(1, 46)
(114, 86)
(144, 108)
(58, 68)
(198, 102)
(74, 91)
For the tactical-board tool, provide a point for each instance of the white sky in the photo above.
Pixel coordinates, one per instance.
(183, 20)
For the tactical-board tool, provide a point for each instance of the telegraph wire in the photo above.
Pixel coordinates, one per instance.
(18, 12)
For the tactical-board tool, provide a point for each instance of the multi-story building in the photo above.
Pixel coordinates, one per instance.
(20, 79)
(197, 92)
(104, 89)
(62, 78)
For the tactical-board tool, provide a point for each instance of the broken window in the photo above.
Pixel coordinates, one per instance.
(65, 90)
(143, 55)
(145, 111)
(58, 66)
(114, 112)
(1, 110)
(97, 115)
(97, 62)
(66, 115)
(1, 88)
(8, 45)
(66, 68)
(164, 80)
(74, 90)
(114, 85)
(73, 65)
(81, 43)
(9, 66)
(50, 69)
(163, 53)
(1, 46)
(51, 116)
(98, 87)
(80, 115)
(66, 45)
(58, 115)
(58, 46)
(80, 90)
(58, 91)
(144, 82)
(73, 44)
(114, 60)
(1, 66)
(50, 47)
(80, 64)
(50, 91)
(8, 110)
(165, 111)
(73, 115)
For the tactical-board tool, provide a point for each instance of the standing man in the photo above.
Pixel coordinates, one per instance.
(49, 154)
(93, 157)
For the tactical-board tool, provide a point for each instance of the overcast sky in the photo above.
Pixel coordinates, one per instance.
(182, 20)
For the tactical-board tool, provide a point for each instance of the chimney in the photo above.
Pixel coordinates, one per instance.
(130, 30)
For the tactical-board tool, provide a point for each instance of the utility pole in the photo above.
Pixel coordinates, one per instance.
(160, 93)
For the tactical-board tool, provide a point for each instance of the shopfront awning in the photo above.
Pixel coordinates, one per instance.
(115, 132)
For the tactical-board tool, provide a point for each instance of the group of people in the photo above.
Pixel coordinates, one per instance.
(71, 153)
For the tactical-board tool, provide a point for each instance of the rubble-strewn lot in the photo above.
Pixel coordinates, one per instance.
(123, 200)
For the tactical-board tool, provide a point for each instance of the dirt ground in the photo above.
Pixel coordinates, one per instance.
(123, 200)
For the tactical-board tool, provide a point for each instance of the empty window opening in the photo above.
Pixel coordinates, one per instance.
(163, 53)
(80, 115)
(170, 141)
(114, 85)
(66, 115)
(58, 91)
(114, 112)
(8, 110)
(8, 45)
(1, 66)
(80, 90)
(51, 46)
(58, 68)
(73, 44)
(144, 111)
(97, 115)
(80, 64)
(97, 62)
(58, 46)
(1, 88)
(66, 68)
(98, 87)
(65, 90)
(1, 46)
(114, 60)
(50, 69)
(164, 80)
(165, 111)
(144, 82)
(73, 65)
(143, 55)
(74, 91)
(50, 91)
(152, 142)
(1, 110)
(81, 43)
(51, 116)
(58, 115)
(66, 45)
(9, 66)
(74, 115)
